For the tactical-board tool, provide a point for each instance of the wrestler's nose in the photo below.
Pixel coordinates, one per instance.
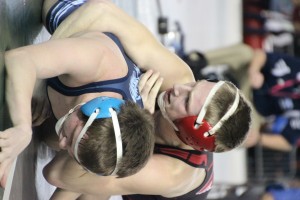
(179, 89)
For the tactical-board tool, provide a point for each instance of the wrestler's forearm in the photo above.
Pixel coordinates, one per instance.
(275, 141)
(142, 46)
(20, 81)
(68, 195)
(26, 64)
(93, 197)
(64, 172)
(139, 43)
(258, 61)
(104, 16)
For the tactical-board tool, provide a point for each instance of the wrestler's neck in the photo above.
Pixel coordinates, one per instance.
(165, 133)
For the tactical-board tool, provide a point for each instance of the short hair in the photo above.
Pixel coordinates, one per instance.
(233, 130)
(97, 149)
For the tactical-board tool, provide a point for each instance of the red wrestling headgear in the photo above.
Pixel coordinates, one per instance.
(193, 136)
(196, 131)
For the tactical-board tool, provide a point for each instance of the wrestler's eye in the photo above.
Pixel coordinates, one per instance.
(214, 80)
(187, 100)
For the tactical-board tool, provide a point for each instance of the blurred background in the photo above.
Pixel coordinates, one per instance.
(214, 38)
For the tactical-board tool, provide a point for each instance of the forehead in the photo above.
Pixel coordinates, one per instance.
(205, 83)
(198, 95)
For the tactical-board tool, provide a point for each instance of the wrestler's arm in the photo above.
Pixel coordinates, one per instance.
(149, 85)
(27, 64)
(256, 78)
(24, 66)
(275, 141)
(269, 140)
(60, 194)
(146, 51)
(64, 172)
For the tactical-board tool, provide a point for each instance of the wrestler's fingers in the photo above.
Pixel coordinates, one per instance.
(155, 89)
(4, 135)
(144, 78)
(3, 156)
(151, 96)
(4, 143)
(150, 82)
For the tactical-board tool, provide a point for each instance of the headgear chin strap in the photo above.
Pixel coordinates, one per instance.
(196, 131)
(102, 107)
(61, 121)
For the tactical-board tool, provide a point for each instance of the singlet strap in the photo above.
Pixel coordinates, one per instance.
(197, 159)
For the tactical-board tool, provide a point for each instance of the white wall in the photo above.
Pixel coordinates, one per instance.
(207, 24)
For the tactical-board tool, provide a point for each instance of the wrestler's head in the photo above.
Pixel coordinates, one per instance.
(212, 116)
(108, 136)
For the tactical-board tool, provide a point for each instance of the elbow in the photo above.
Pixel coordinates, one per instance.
(14, 58)
(13, 54)
(19, 61)
(187, 75)
(11, 59)
(8, 57)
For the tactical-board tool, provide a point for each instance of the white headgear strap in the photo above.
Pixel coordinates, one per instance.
(118, 138)
(117, 132)
(227, 114)
(62, 120)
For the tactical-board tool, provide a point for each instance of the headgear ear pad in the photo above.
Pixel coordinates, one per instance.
(103, 104)
(195, 136)
(102, 107)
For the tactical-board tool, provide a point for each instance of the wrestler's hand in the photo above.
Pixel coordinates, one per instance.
(256, 79)
(12, 142)
(149, 86)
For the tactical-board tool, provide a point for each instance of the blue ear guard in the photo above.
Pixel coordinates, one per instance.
(102, 107)
(102, 103)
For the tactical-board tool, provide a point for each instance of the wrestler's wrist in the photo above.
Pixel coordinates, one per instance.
(25, 128)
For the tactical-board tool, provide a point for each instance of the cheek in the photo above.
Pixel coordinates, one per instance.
(176, 112)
